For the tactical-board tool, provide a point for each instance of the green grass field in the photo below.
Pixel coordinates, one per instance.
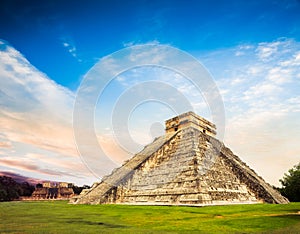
(60, 217)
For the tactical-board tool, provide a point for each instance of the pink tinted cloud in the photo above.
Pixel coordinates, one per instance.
(5, 144)
(14, 163)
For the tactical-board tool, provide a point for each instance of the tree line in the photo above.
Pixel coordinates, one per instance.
(12, 190)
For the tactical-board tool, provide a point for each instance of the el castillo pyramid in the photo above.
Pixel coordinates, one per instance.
(186, 166)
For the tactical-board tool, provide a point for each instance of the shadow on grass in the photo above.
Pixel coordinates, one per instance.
(295, 216)
(95, 223)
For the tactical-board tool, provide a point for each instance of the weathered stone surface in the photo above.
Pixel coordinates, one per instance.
(187, 166)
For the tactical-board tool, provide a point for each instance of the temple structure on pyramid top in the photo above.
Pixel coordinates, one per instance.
(190, 119)
(185, 166)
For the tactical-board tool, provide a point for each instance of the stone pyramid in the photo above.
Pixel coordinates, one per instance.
(186, 166)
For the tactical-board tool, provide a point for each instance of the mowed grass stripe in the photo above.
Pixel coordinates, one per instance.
(60, 217)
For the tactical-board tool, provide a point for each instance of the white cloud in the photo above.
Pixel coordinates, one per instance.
(35, 117)
(71, 48)
(266, 50)
(243, 49)
(294, 61)
(133, 43)
(262, 106)
(279, 75)
(262, 90)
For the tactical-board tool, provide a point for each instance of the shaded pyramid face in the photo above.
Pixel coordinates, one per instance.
(186, 166)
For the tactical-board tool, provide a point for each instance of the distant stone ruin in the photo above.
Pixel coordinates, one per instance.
(48, 190)
(186, 166)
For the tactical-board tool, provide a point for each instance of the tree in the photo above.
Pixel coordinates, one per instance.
(11, 190)
(39, 185)
(291, 184)
(77, 190)
(3, 195)
(26, 189)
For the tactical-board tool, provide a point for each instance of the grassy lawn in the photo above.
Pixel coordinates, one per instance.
(60, 217)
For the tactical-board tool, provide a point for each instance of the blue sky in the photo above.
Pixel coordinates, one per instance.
(70, 36)
(251, 49)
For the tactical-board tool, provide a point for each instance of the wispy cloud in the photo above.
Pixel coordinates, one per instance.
(17, 163)
(35, 117)
(33, 108)
(262, 104)
(134, 43)
(71, 48)
(5, 144)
